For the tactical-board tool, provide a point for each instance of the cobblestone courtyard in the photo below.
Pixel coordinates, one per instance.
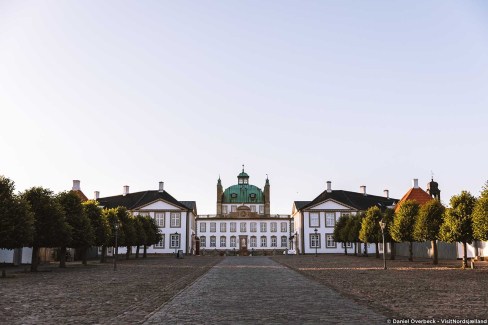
(325, 289)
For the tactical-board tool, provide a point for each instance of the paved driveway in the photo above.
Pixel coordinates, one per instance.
(257, 290)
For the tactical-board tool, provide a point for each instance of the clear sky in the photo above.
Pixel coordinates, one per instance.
(132, 93)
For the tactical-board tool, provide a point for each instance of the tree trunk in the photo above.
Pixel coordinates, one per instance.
(137, 251)
(34, 259)
(144, 254)
(83, 255)
(62, 257)
(435, 252)
(410, 251)
(377, 247)
(393, 250)
(465, 256)
(355, 249)
(345, 249)
(104, 254)
(366, 249)
(127, 255)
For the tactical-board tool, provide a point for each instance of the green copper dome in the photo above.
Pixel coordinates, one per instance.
(243, 194)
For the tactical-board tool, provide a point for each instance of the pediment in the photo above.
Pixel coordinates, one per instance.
(330, 205)
(159, 205)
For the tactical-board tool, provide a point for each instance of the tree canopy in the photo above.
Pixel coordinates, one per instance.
(458, 222)
(480, 215)
(16, 218)
(404, 221)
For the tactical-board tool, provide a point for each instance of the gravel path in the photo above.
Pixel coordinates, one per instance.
(406, 290)
(95, 294)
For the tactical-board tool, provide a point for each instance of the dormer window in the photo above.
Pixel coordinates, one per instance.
(233, 195)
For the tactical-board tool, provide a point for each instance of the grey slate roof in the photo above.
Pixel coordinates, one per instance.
(135, 200)
(300, 204)
(355, 200)
(192, 205)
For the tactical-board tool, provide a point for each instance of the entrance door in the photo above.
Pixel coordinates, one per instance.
(243, 243)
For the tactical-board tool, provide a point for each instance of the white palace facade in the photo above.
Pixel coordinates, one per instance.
(243, 224)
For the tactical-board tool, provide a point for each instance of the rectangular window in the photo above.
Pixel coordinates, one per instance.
(330, 243)
(253, 242)
(232, 227)
(174, 241)
(274, 227)
(263, 226)
(349, 245)
(224, 209)
(253, 208)
(283, 241)
(233, 241)
(203, 227)
(223, 227)
(274, 241)
(314, 219)
(292, 227)
(213, 227)
(159, 218)
(263, 241)
(144, 214)
(161, 243)
(233, 208)
(222, 241)
(345, 214)
(254, 227)
(213, 241)
(175, 220)
(243, 227)
(330, 219)
(203, 241)
(283, 227)
(314, 240)
(261, 209)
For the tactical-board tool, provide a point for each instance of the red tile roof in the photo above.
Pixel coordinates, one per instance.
(416, 194)
(81, 195)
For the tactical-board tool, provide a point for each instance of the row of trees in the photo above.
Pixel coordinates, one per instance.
(465, 221)
(38, 218)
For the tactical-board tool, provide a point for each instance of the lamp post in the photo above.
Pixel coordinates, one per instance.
(382, 225)
(316, 242)
(116, 248)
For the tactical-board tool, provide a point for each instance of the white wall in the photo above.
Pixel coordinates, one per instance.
(228, 234)
(482, 249)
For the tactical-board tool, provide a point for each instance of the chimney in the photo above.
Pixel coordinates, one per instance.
(97, 195)
(415, 183)
(161, 187)
(387, 193)
(76, 185)
(363, 189)
(329, 186)
(126, 190)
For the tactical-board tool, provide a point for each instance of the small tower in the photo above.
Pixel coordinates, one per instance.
(433, 190)
(266, 198)
(243, 177)
(220, 194)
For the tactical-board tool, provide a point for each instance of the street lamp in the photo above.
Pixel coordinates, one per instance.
(382, 225)
(316, 242)
(116, 248)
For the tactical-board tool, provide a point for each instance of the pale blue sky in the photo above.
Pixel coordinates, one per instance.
(368, 93)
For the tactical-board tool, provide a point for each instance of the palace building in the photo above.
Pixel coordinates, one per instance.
(243, 223)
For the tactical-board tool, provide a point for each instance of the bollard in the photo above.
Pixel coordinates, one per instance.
(472, 264)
